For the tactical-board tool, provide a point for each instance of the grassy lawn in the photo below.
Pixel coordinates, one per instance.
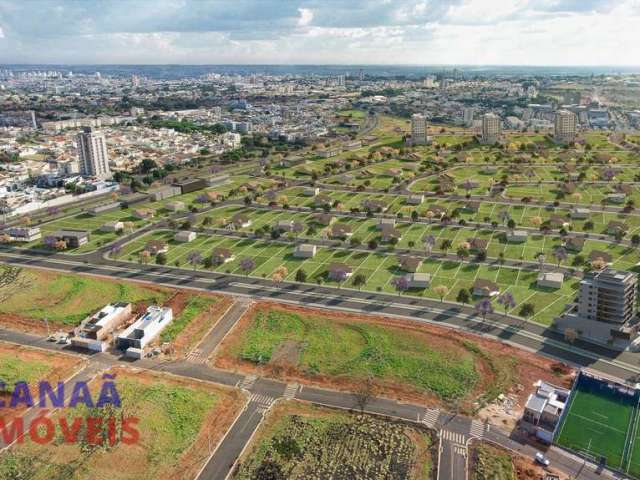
(175, 417)
(67, 299)
(303, 441)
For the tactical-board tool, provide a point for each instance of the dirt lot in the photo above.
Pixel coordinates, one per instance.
(526, 367)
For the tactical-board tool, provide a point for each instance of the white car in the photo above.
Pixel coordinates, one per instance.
(542, 460)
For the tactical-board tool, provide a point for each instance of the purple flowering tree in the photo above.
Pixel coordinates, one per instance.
(195, 259)
(560, 255)
(401, 284)
(429, 242)
(247, 265)
(115, 250)
(507, 301)
(484, 307)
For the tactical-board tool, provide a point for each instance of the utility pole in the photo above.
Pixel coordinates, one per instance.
(46, 322)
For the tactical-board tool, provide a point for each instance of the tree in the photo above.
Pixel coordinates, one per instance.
(484, 307)
(560, 254)
(429, 242)
(161, 258)
(301, 276)
(507, 301)
(527, 310)
(115, 250)
(144, 256)
(635, 240)
(364, 392)
(441, 291)
(195, 259)
(463, 296)
(401, 284)
(445, 245)
(247, 265)
(359, 281)
(279, 274)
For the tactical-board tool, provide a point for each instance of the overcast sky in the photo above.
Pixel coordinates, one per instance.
(514, 32)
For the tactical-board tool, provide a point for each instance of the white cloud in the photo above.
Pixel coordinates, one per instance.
(306, 17)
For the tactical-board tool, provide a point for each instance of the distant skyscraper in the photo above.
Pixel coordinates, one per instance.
(418, 129)
(361, 75)
(490, 128)
(92, 152)
(467, 116)
(564, 127)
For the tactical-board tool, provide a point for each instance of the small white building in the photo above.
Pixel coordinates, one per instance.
(418, 280)
(185, 236)
(517, 236)
(311, 191)
(94, 330)
(23, 234)
(176, 206)
(580, 213)
(550, 279)
(114, 226)
(305, 250)
(544, 409)
(386, 223)
(616, 198)
(144, 330)
(415, 199)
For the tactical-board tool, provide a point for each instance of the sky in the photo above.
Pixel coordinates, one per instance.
(383, 32)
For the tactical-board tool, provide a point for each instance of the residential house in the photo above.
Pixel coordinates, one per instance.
(322, 199)
(156, 246)
(339, 271)
(311, 191)
(113, 226)
(485, 288)
(73, 238)
(388, 232)
(616, 228)
(580, 213)
(573, 243)
(471, 207)
(240, 220)
(478, 245)
(144, 330)
(386, 222)
(222, 255)
(517, 236)
(616, 198)
(23, 234)
(341, 230)
(409, 263)
(144, 213)
(550, 279)
(557, 221)
(324, 219)
(305, 250)
(543, 409)
(93, 331)
(418, 280)
(374, 205)
(600, 255)
(415, 199)
(185, 236)
(176, 206)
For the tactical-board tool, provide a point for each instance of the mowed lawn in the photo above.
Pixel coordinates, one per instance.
(67, 299)
(597, 424)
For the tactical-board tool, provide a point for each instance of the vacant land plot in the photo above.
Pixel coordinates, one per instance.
(599, 423)
(179, 420)
(66, 299)
(489, 463)
(402, 358)
(23, 364)
(299, 441)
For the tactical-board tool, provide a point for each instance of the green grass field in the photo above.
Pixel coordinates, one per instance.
(67, 299)
(358, 350)
(171, 416)
(599, 424)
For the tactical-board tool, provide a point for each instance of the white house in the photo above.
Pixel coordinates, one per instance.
(305, 250)
(114, 226)
(415, 199)
(23, 234)
(93, 331)
(550, 279)
(386, 223)
(144, 330)
(311, 191)
(580, 213)
(418, 280)
(517, 236)
(616, 198)
(175, 206)
(185, 236)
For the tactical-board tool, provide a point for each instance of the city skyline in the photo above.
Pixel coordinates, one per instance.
(307, 32)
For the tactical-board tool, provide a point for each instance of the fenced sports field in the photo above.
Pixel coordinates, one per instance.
(602, 424)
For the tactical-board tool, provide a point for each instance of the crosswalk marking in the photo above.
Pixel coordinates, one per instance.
(430, 418)
(477, 429)
(195, 356)
(263, 401)
(454, 437)
(291, 390)
(247, 382)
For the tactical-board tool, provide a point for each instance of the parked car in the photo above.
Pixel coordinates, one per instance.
(542, 460)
